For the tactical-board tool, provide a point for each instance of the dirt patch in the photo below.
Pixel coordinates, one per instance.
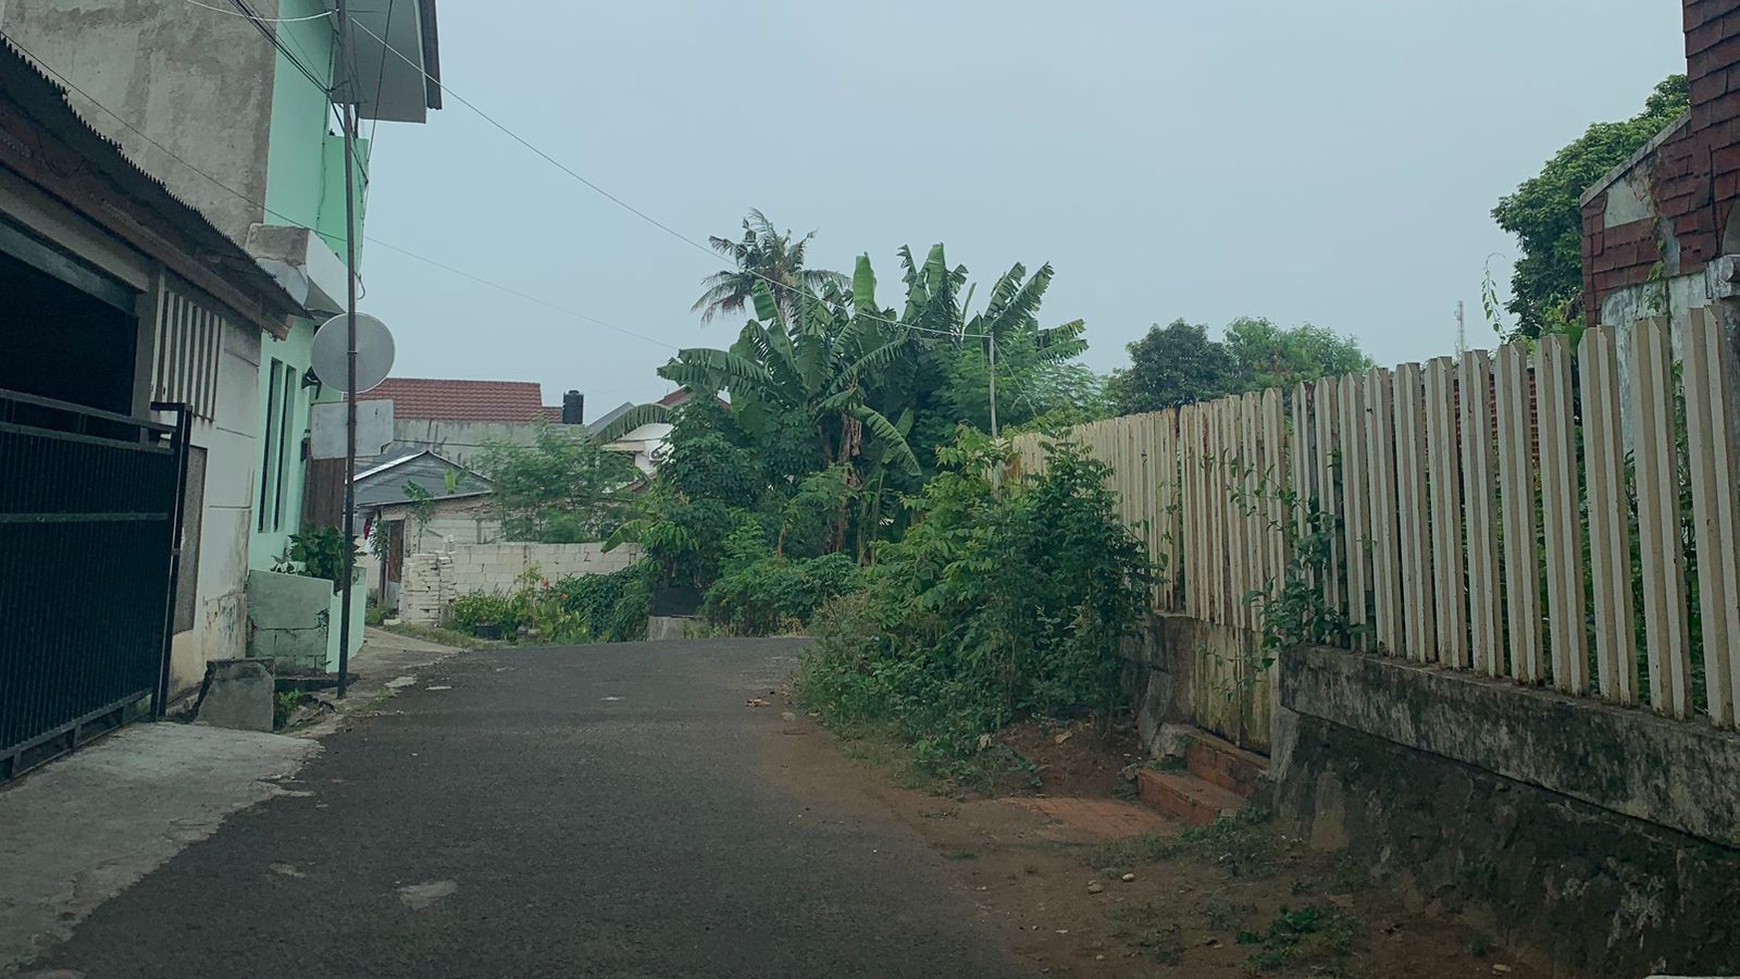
(1076, 758)
(1234, 900)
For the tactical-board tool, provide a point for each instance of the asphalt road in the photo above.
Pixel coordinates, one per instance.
(598, 811)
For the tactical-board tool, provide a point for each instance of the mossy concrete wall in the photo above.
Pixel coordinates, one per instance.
(1604, 841)
(1187, 671)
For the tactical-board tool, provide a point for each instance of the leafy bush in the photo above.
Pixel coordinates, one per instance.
(609, 607)
(580, 609)
(1006, 598)
(316, 554)
(503, 610)
(774, 594)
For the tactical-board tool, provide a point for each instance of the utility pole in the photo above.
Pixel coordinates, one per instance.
(993, 339)
(347, 103)
(1461, 327)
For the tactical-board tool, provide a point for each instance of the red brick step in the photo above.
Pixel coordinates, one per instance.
(1187, 798)
(1226, 765)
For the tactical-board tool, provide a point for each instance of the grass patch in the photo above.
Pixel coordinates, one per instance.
(1312, 934)
(1144, 928)
(1243, 845)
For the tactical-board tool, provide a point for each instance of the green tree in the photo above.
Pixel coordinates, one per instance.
(812, 372)
(561, 488)
(1547, 283)
(1173, 365)
(1267, 356)
(762, 256)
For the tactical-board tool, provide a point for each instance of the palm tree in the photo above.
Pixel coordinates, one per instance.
(763, 256)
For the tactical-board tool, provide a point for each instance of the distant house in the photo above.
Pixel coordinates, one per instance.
(1661, 232)
(648, 441)
(418, 503)
(457, 418)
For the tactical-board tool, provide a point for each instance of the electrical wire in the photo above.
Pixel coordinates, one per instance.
(292, 222)
(637, 212)
(262, 20)
(271, 36)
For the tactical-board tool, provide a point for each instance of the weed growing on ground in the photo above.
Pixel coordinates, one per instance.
(1311, 933)
(1480, 945)
(1244, 845)
(1144, 927)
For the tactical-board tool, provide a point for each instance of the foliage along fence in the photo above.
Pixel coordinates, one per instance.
(1521, 514)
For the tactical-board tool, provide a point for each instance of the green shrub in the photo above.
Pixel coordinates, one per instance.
(609, 607)
(1006, 598)
(774, 595)
(503, 610)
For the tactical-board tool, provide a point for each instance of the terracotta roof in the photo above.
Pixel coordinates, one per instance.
(553, 414)
(462, 401)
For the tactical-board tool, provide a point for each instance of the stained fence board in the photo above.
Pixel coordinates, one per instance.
(1667, 639)
(1609, 528)
(1275, 464)
(1414, 518)
(1474, 382)
(1380, 457)
(1710, 379)
(1561, 515)
(1356, 505)
(1326, 414)
(1444, 490)
(1522, 557)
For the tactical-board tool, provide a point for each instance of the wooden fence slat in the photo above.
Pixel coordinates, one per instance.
(1710, 378)
(1474, 380)
(1561, 513)
(1414, 513)
(1380, 458)
(1667, 641)
(1609, 528)
(1304, 458)
(1444, 462)
(1214, 492)
(1232, 473)
(1522, 558)
(1356, 511)
(1275, 466)
(1250, 479)
(1326, 412)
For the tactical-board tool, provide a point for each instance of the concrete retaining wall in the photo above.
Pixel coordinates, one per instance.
(1186, 671)
(1606, 840)
(433, 582)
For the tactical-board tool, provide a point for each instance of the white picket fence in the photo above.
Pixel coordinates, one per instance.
(1485, 507)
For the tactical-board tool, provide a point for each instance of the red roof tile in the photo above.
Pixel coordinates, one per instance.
(469, 401)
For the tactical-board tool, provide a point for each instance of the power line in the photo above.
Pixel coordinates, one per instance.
(271, 36)
(630, 208)
(292, 222)
(262, 20)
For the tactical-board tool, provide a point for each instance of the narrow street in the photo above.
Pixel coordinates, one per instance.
(596, 811)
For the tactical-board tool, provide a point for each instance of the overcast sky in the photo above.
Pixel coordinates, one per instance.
(1332, 162)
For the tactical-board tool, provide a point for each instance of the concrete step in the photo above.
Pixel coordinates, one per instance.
(1187, 798)
(1226, 765)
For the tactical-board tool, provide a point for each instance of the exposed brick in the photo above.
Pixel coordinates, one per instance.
(1728, 186)
(1630, 233)
(1699, 12)
(1726, 159)
(1710, 87)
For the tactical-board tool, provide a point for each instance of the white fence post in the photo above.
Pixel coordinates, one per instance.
(1561, 512)
(1522, 559)
(1474, 382)
(1667, 640)
(1609, 527)
(1414, 512)
(1710, 379)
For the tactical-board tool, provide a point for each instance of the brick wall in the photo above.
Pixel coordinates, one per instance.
(432, 582)
(1693, 177)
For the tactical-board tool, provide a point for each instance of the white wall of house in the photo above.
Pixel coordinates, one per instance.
(227, 519)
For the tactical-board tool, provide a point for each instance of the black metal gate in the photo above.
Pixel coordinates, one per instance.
(89, 517)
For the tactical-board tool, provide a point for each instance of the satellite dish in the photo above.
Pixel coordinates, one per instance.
(374, 352)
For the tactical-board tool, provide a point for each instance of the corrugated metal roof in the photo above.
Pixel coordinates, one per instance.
(46, 101)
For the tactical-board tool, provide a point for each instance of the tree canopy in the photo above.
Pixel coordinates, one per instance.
(1180, 364)
(1547, 283)
(563, 488)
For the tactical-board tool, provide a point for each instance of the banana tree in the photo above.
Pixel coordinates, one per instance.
(817, 368)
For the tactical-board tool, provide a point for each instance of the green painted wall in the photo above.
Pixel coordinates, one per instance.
(304, 187)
